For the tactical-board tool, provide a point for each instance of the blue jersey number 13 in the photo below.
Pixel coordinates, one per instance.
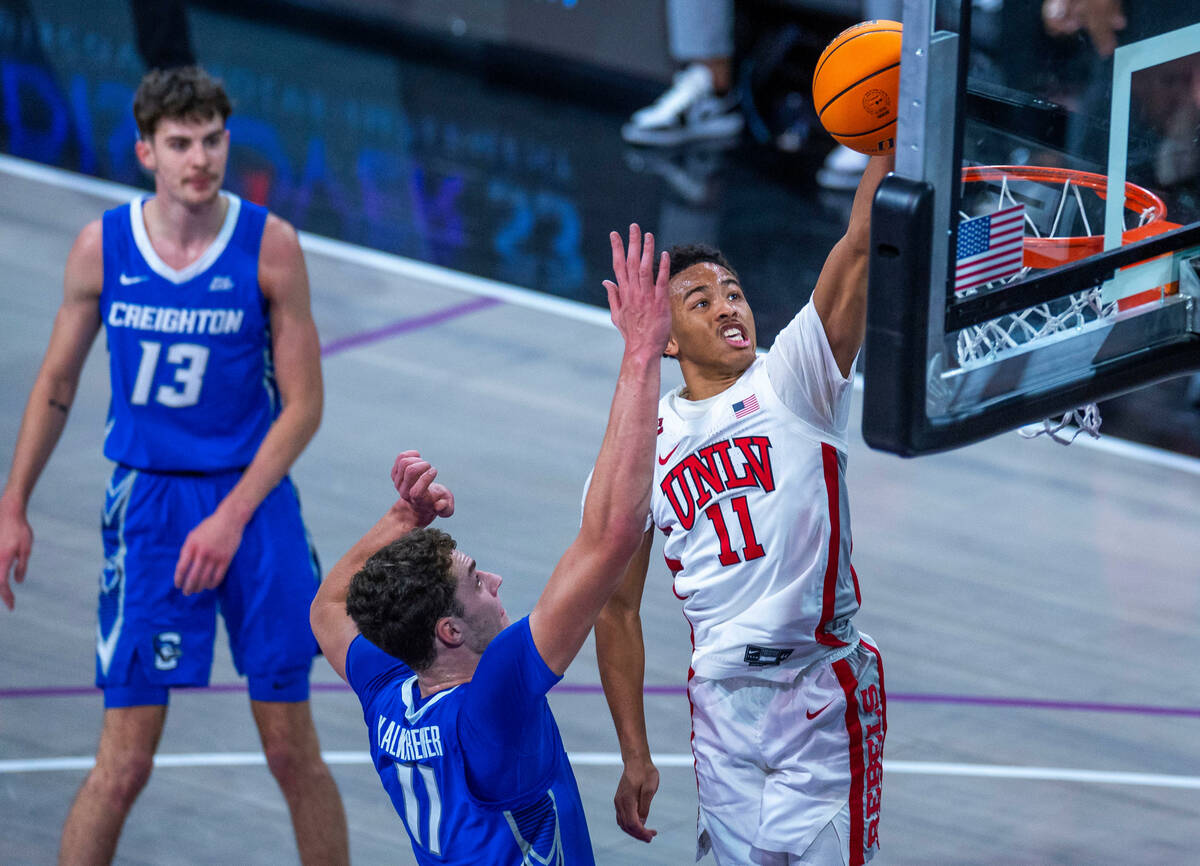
(189, 360)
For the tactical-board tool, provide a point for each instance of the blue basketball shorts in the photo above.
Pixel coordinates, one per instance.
(152, 637)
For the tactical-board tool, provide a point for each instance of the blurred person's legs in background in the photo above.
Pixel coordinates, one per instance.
(700, 102)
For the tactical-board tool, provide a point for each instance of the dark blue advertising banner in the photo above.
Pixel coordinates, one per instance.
(386, 151)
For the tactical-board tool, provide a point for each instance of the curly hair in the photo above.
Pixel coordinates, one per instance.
(401, 592)
(683, 256)
(182, 93)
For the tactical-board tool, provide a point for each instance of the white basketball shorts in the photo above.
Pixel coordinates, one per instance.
(777, 762)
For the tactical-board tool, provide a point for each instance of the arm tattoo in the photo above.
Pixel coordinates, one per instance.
(62, 407)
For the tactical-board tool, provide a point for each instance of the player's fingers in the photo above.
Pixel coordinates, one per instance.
(413, 473)
(207, 575)
(628, 820)
(646, 268)
(633, 258)
(618, 253)
(22, 564)
(645, 795)
(420, 487)
(6, 594)
(191, 576)
(217, 574)
(183, 565)
(402, 460)
(198, 581)
(443, 500)
(626, 814)
(409, 473)
(614, 296)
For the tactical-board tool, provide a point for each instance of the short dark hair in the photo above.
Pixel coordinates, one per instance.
(401, 592)
(182, 93)
(683, 256)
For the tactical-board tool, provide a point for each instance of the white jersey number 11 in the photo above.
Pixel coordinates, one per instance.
(728, 556)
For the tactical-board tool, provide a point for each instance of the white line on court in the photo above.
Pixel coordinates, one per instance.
(613, 759)
(515, 295)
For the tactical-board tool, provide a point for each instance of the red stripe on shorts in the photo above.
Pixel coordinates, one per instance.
(829, 590)
(882, 690)
(849, 683)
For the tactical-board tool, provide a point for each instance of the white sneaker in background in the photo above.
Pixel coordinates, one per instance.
(688, 110)
(842, 169)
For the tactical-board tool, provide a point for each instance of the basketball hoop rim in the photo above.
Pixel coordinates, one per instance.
(1050, 252)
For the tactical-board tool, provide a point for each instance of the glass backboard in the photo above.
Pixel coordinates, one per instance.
(1038, 245)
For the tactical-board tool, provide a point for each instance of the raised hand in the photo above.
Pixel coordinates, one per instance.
(414, 480)
(638, 300)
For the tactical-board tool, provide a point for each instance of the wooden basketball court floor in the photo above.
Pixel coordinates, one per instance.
(1037, 606)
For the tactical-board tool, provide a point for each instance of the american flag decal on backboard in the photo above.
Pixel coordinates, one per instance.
(990, 247)
(742, 408)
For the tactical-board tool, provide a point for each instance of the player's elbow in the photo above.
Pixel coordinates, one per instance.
(306, 409)
(622, 537)
(614, 538)
(855, 244)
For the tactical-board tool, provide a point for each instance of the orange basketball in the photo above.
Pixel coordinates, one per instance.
(856, 86)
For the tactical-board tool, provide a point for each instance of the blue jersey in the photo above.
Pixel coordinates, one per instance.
(478, 772)
(193, 386)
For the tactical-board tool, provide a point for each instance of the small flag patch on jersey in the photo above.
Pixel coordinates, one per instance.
(990, 247)
(742, 408)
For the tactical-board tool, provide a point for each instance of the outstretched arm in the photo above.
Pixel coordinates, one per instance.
(840, 296)
(421, 500)
(50, 399)
(618, 499)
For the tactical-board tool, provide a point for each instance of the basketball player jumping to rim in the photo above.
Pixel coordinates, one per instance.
(788, 717)
(216, 389)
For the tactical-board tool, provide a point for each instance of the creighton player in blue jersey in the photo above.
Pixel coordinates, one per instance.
(454, 697)
(216, 389)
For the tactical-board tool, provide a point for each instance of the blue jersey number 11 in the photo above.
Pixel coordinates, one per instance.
(405, 773)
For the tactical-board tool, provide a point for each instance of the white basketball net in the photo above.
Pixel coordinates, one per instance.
(993, 339)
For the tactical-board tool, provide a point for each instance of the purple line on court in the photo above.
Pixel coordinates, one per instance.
(1035, 704)
(416, 323)
(595, 689)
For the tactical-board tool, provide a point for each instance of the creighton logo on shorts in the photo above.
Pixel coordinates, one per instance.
(168, 647)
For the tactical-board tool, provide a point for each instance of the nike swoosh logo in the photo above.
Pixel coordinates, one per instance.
(129, 281)
(811, 715)
(662, 461)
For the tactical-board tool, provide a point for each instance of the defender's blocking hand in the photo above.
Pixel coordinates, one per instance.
(639, 300)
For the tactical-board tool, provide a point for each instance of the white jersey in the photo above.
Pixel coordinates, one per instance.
(749, 489)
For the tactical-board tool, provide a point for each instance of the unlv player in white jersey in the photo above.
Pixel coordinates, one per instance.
(788, 707)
